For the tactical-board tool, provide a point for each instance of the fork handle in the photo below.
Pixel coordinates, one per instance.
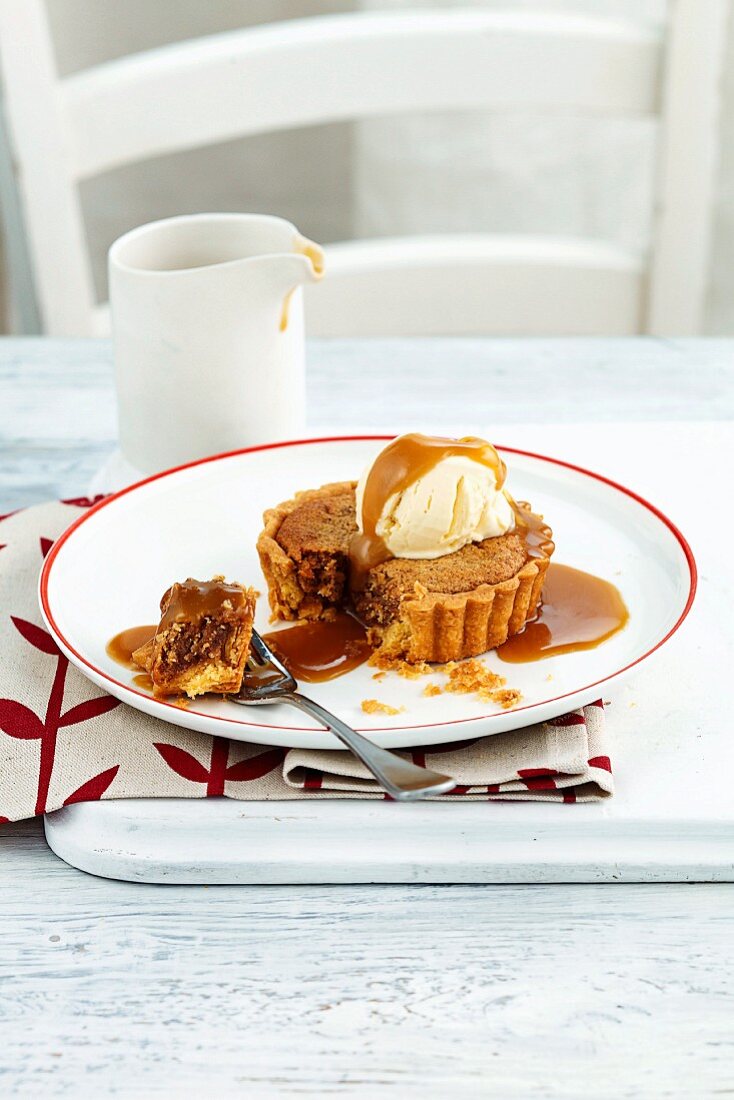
(402, 780)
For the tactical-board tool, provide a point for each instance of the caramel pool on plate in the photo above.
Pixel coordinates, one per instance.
(321, 650)
(123, 645)
(578, 611)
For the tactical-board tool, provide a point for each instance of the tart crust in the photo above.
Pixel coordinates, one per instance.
(428, 626)
(294, 591)
(436, 626)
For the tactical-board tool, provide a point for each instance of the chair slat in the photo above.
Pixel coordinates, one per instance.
(353, 66)
(43, 190)
(477, 285)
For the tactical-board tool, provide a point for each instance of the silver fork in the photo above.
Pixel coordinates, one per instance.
(403, 781)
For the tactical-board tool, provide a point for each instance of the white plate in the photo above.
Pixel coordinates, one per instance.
(107, 572)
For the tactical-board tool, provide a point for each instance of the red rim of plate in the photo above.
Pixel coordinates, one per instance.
(64, 537)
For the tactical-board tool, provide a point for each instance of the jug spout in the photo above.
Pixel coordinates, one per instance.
(305, 264)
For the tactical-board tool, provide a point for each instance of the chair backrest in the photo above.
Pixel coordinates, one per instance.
(355, 66)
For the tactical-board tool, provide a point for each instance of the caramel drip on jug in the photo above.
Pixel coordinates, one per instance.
(315, 254)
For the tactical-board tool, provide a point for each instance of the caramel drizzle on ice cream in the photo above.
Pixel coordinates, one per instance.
(396, 468)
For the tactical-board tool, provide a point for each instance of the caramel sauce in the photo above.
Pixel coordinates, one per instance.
(396, 468)
(193, 600)
(315, 254)
(535, 534)
(123, 645)
(578, 611)
(256, 677)
(286, 309)
(143, 680)
(322, 650)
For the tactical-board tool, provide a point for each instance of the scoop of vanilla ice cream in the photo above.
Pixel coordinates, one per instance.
(455, 503)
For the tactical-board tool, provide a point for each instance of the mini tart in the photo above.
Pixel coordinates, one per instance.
(303, 551)
(441, 609)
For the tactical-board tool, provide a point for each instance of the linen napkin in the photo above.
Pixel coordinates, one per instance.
(62, 740)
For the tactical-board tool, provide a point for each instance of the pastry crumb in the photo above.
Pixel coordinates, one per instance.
(473, 677)
(549, 677)
(414, 672)
(470, 677)
(506, 697)
(374, 706)
(387, 662)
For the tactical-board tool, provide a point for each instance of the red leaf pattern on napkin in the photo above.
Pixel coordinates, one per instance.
(567, 720)
(19, 721)
(90, 708)
(256, 766)
(602, 762)
(94, 788)
(36, 636)
(218, 773)
(182, 762)
(85, 502)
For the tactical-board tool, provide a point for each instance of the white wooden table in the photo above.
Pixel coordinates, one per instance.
(513, 991)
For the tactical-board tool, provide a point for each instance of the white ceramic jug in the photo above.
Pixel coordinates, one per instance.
(207, 322)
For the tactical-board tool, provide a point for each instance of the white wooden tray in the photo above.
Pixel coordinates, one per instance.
(672, 818)
(220, 841)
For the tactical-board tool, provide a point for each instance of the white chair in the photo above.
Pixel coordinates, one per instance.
(300, 73)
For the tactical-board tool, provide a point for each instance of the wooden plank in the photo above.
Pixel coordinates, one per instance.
(350, 991)
(46, 457)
